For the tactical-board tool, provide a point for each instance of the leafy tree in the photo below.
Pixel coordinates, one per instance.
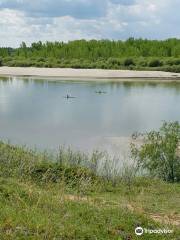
(98, 54)
(23, 45)
(159, 153)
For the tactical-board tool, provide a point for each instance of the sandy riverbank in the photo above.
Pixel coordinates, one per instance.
(68, 73)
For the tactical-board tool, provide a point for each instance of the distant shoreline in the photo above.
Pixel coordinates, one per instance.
(89, 74)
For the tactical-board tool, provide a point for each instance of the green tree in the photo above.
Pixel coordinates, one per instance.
(158, 155)
(99, 54)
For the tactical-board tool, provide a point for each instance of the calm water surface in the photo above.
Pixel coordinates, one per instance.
(37, 114)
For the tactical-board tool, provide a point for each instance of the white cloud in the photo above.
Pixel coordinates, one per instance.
(114, 19)
(12, 27)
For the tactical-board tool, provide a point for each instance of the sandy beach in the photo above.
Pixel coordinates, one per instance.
(90, 74)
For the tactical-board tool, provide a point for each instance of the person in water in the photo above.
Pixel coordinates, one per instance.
(100, 92)
(68, 96)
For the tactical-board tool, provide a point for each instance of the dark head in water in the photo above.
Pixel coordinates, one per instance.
(68, 96)
(100, 92)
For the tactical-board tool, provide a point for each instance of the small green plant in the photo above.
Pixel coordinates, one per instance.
(158, 155)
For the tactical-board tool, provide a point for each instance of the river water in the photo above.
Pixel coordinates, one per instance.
(101, 115)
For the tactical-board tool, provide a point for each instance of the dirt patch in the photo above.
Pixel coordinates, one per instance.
(76, 198)
(172, 219)
(160, 218)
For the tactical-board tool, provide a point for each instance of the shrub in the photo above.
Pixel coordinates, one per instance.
(38, 64)
(75, 64)
(41, 59)
(155, 63)
(114, 61)
(128, 62)
(158, 155)
(174, 68)
(143, 62)
(174, 61)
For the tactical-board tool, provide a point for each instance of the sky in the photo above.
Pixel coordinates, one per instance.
(64, 20)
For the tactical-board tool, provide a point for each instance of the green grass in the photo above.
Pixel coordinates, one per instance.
(57, 197)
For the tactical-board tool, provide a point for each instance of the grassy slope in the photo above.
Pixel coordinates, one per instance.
(30, 211)
(35, 207)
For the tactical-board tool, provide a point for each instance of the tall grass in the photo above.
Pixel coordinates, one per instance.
(71, 195)
(73, 167)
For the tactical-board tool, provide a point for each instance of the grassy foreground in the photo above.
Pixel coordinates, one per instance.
(57, 197)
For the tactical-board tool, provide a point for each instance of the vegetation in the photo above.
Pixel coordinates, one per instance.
(130, 54)
(71, 195)
(159, 154)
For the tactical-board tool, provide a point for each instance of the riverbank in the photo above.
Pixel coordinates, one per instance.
(45, 199)
(88, 74)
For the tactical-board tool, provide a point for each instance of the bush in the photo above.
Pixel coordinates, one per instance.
(128, 62)
(175, 69)
(75, 64)
(142, 62)
(155, 63)
(41, 59)
(158, 155)
(114, 61)
(38, 64)
(172, 62)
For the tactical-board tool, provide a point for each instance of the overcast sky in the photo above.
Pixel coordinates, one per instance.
(63, 20)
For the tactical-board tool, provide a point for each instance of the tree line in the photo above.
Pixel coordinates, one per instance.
(132, 53)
